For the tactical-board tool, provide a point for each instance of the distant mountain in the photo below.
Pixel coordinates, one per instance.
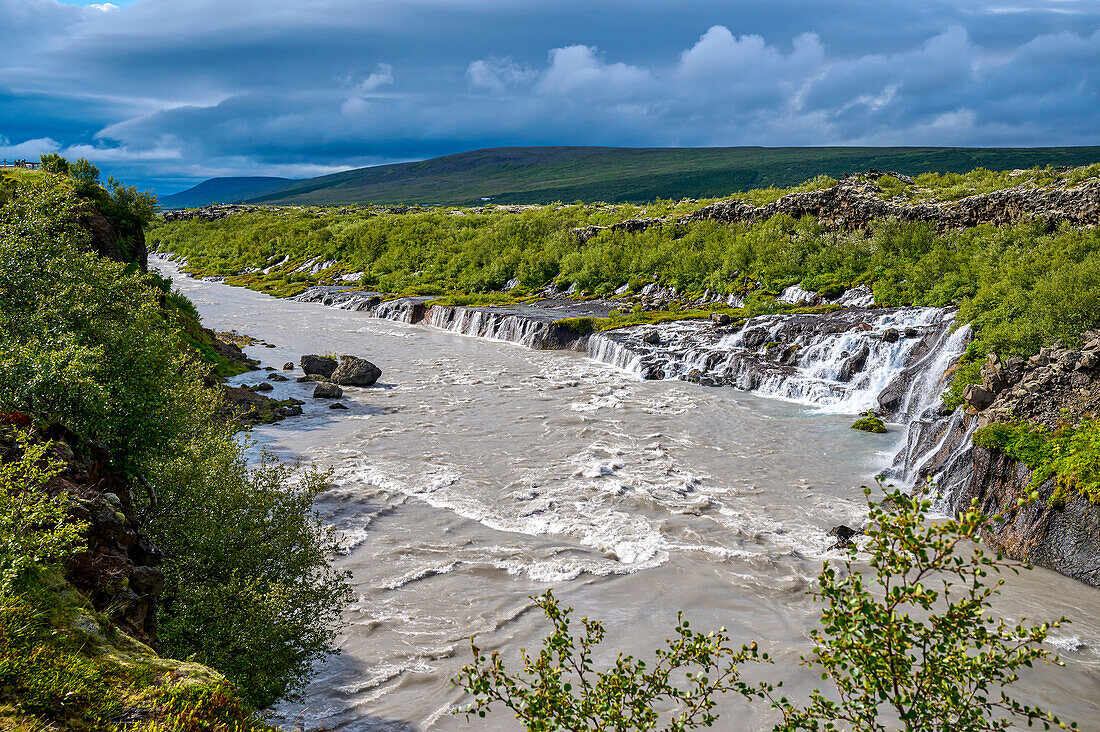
(223, 190)
(547, 174)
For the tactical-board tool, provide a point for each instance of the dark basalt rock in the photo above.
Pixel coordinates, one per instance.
(355, 371)
(313, 364)
(325, 390)
(844, 535)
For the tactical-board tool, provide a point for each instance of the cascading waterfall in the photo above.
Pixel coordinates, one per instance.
(846, 361)
(838, 361)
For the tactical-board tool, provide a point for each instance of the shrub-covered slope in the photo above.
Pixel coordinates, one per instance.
(95, 351)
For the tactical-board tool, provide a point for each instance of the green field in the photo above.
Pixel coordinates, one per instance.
(548, 174)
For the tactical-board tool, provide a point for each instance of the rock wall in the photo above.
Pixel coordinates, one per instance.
(1065, 539)
(855, 202)
(118, 571)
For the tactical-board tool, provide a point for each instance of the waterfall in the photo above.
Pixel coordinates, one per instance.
(839, 362)
(502, 325)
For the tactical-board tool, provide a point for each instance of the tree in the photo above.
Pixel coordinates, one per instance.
(912, 644)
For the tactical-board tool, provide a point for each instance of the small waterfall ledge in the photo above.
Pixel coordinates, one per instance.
(847, 361)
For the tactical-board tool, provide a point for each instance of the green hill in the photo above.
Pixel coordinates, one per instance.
(545, 174)
(223, 190)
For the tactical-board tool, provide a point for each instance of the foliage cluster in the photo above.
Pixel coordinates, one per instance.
(1070, 455)
(94, 345)
(907, 641)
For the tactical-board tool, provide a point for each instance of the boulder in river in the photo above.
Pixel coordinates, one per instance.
(319, 365)
(651, 337)
(355, 371)
(288, 366)
(326, 390)
(262, 386)
(277, 377)
(338, 405)
(844, 535)
(310, 377)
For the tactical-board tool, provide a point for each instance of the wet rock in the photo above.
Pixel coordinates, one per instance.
(844, 535)
(262, 386)
(652, 337)
(338, 405)
(288, 366)
(720, 319)
(310, 377)
(277, 377)
(355, 371)
(891, 335)
(325, 390)
(911, 333)
(313, 364)
(288, 410)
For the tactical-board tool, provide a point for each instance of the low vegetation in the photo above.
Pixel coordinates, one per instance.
(870, 422)
(907, 641)
(1070, 455)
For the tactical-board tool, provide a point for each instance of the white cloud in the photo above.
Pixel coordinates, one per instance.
(381, 76)
(28, 149)
(103, 7)
(498, 75)
(579, 71)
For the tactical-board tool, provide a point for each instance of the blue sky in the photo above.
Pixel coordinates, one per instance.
(169, 92)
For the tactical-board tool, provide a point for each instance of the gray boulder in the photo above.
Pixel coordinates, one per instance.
(319, 365)
(354, 371)
(326, 390)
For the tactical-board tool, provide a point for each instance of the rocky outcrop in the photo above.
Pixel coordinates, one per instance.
(355, 371)
(119, 569)
(1055, 385)
(245, 407)
(855, 202)
(213, 212)
(107, 241)
(1065, 538)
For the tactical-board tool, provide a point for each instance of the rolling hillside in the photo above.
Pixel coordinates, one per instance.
(224, 190)
(546, 174)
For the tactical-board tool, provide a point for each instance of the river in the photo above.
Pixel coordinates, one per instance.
(479, 473)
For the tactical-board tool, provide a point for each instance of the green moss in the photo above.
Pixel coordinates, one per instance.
(1070, 455)
(870, 422)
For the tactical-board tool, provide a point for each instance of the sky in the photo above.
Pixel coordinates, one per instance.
(165, 93)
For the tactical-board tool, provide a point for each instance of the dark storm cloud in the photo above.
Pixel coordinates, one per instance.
(172, 90)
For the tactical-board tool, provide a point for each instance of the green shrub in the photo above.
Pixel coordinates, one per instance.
(248, 588)
(35, 529)
(1071, 455)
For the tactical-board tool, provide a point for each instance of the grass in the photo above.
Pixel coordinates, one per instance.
(547, 174)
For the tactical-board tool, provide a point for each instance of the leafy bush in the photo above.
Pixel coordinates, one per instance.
(912, 644)
(248, 589)
(909, 643)
(35, 528)
(559, 690)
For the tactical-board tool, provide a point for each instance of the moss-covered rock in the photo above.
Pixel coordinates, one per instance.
(870, 422)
